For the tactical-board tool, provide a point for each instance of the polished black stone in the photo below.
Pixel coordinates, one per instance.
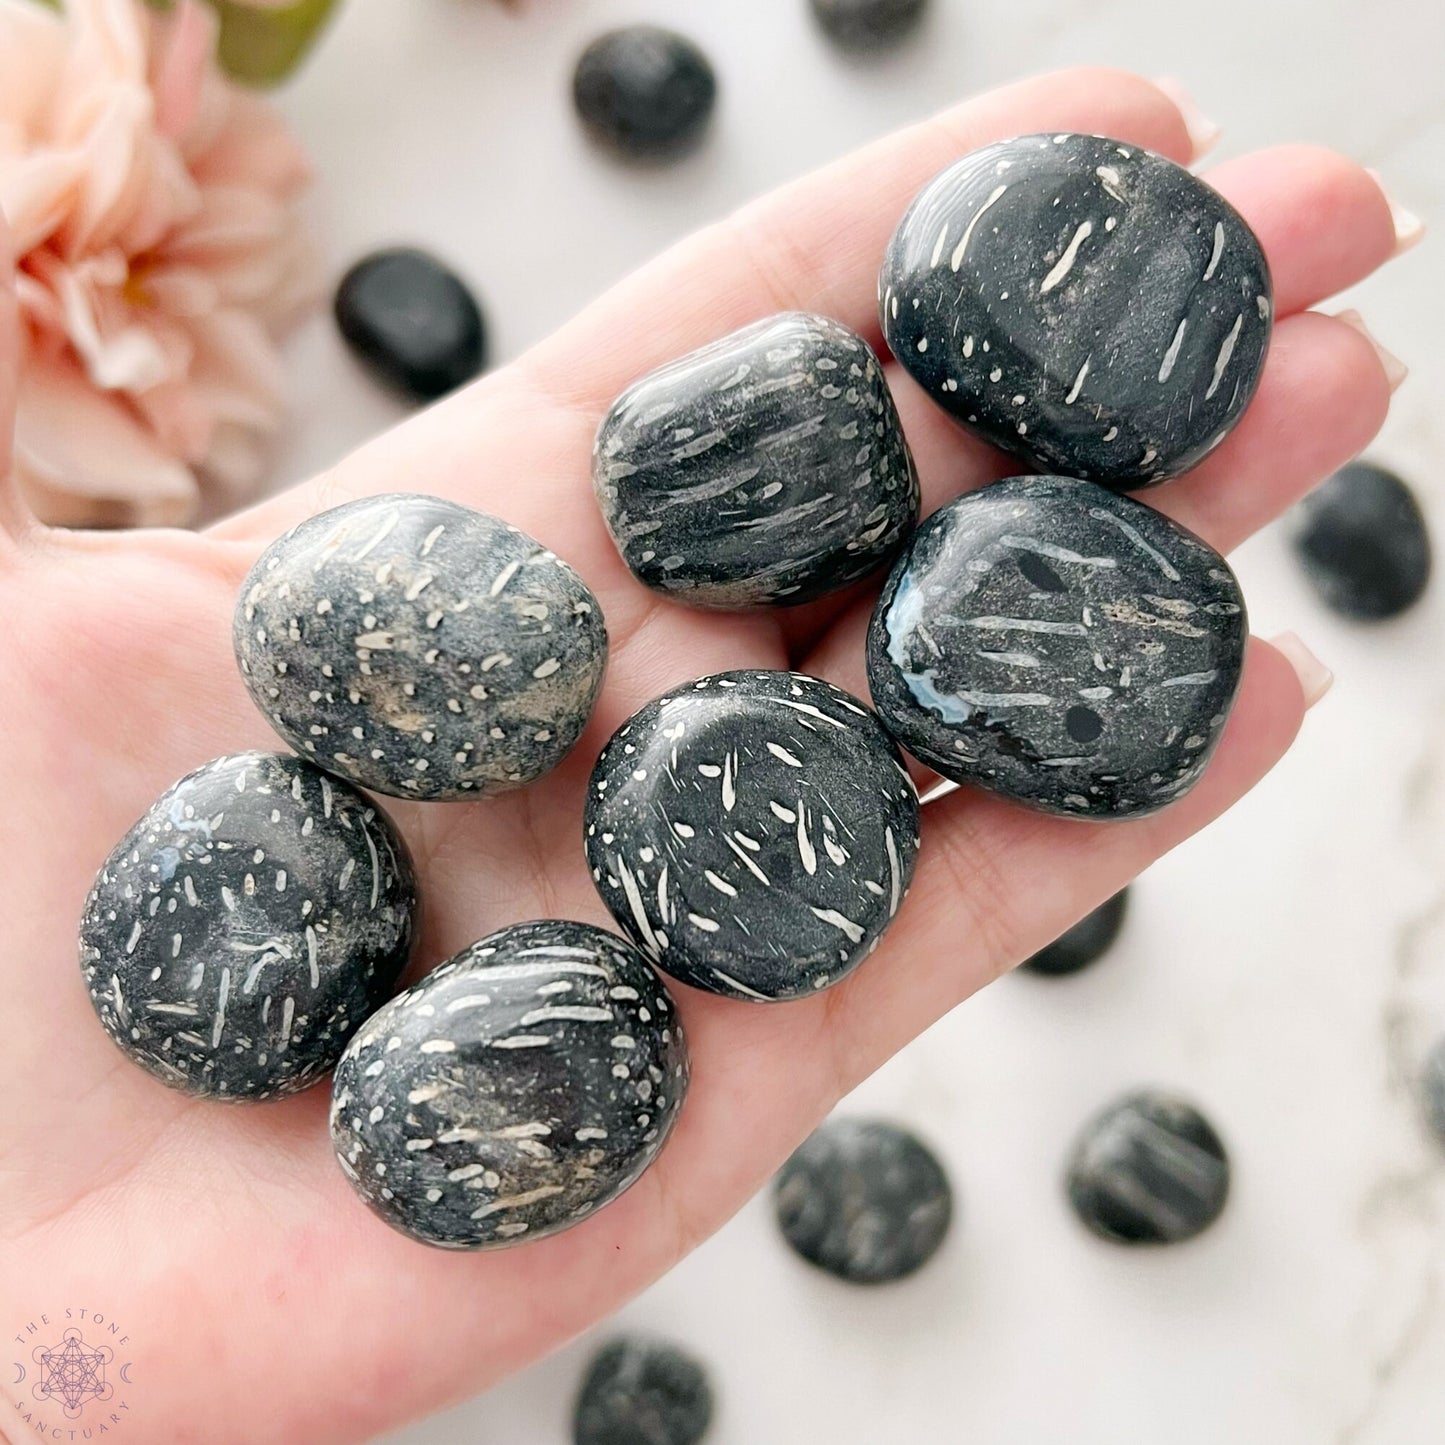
(1149, 1169)
(864, 1200)
(246, 927)
(644, 91)
(412, 322)
(768, 467)
(1084, 304)
(640, 1391)
(1364, 543)
(754, 833)
(420, 648)
(1089, 939)
(514, 1091)
(1055, 642)
(868, 24)
(1432, 1089)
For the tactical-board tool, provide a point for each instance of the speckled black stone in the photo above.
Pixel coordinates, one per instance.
(644, 91)
(864, 1200)
(1086, 942)
(768, 467)
(412, 322)
(420, 648)
(1055, 642)
(865, 25)
(642, 1392)
(523, 1085)
(1149, 1169)
(1084, 304)
(244, 929)
(754, 833)
(1363, 542)
(1432, 1090)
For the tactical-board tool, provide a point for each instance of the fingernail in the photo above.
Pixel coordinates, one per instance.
(1203, 133)
(1395, 369)
(1409, 228)
(1314, 677)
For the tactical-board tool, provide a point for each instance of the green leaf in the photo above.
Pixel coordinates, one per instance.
(263, 46)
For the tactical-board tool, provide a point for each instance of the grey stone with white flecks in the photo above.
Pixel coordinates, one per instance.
(753, 832)
(514, 1091)
(247, 925)
(767, 468)
(1053, 641)
(639, 1391)
(1085, 304)
(1149, 1169)
(1085, 943)
(420, 648)
(868, 25)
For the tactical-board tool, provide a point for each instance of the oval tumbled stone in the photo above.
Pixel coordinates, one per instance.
(513, 1091)
(246, 927)
(420, 648)
(1055, 642)
(754, 832)
(767, 468)
(1085, 304)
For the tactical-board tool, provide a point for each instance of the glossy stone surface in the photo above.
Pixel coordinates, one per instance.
(864, 1200)
(864, 25)
(1432, 1089)
(514, 1091)
(1052, 641)
(412, 322)
(1086, 942)
(768, 467)
(644, 91)
(420, 648)
(753, 832)
(1364, 543)
(639, 1391)
(1149, 1169)
(247, 925)
(1083, 304)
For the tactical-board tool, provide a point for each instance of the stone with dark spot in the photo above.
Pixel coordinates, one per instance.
(640, 1391)
(247, 926)
(866, 25)
(644, 91)
(420, 648)
(864, 1200)
(1060, 644)
(1088, 940)
(753, 832)
(514, 1091)
(766, 468)
(1084, 304)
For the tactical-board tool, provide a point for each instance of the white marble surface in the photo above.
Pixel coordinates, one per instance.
(1287, 968)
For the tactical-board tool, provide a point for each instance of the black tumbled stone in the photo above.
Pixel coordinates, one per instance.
(420, 648)
(863, 25)
(753, 832)
(1053, 641)
(644, 91)
(247, 926)
(768, 467)
(642, 1392)
(1088, 940)
(1364, 543)
(1149, 1169)
(864, 1200)
(1084, 304)
(1432, 1089)
(412, 322)
(514, 1091)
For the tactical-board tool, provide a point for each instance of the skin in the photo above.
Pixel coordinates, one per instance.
(224, 1239)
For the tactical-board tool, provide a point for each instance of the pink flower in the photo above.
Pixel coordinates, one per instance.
(152, 204)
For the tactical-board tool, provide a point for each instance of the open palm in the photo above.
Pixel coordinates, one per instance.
(223, 1239)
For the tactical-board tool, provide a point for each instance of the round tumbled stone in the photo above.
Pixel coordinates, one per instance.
(1084, 304)
(521, 1086)
(1149, 1169)
(864, 1200)
(420, 648)
(865, 25)
(1086, 942)
(641, 1391)
(1055, 642)
(1363, 542)
(247, 926)
(753, 832)
(767, 468)
(644, 91)
(1432, 1089)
